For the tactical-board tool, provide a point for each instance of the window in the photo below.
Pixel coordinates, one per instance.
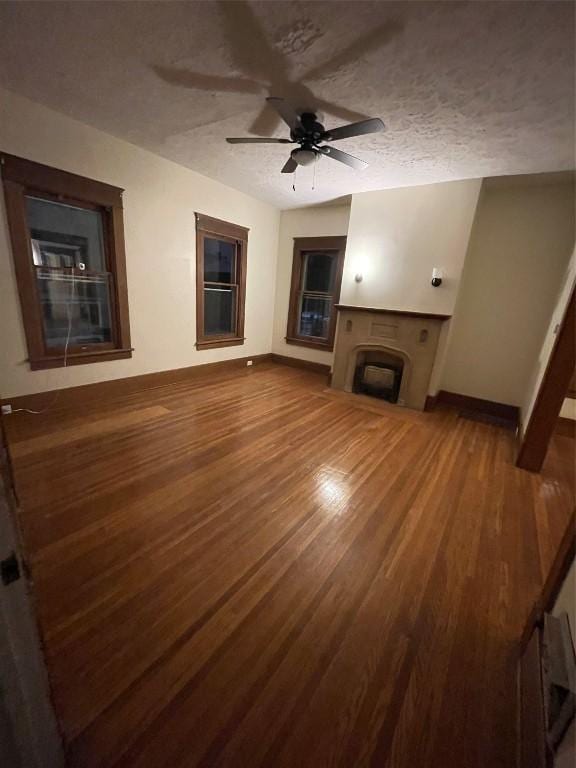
(315, 290)
(67, 237)
(220, 282)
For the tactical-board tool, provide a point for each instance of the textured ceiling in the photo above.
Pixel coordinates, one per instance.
(465, 89)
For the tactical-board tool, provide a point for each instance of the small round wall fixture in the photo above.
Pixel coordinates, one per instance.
(358, 277)
(436, 277)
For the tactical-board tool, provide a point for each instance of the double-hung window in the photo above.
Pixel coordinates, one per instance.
(221, 250)
(315, 290)
(68, 248)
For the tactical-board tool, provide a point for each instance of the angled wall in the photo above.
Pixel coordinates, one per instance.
(519, 251)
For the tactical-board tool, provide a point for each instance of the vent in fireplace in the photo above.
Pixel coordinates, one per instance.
(379, 379)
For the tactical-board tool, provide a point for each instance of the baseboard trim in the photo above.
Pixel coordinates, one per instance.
(510, 413)
(566, 427)
(296, 362)
(109, 390)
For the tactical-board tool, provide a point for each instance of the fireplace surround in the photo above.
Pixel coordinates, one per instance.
(404, 343)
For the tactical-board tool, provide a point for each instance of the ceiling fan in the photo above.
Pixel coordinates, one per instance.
(310, 134)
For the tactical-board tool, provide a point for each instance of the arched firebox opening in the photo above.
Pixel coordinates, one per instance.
(379, 371)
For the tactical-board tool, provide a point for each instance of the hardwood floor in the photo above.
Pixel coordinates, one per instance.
(257, 571)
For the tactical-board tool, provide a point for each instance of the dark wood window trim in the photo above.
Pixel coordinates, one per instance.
(206, 226)
(301, 245)
(22, 177)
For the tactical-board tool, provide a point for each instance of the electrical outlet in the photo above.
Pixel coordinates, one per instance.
(249, 362)
(6, 409)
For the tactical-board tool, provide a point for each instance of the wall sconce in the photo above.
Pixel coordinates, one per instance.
(436, 277)
(358, 277)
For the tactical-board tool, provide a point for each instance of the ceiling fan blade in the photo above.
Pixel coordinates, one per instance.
(345, 158)
(259, 141)
(290, 166)
(285, 110)
(373, 125)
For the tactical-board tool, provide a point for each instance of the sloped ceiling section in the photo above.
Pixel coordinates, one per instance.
(465, 89)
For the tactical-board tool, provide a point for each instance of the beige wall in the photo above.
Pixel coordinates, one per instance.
(568, 410)
(520, 246)
(566, 600)
(540, 361)
(320, 221)
(396, 237)
(159, 204)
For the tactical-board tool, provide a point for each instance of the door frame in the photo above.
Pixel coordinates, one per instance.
(553, 389)
(26, 699)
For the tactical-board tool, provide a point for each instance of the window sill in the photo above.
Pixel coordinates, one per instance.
(79, 358)
(219, 343)
(324, 345)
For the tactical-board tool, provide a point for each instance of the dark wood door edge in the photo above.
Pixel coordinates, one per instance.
(553, 388)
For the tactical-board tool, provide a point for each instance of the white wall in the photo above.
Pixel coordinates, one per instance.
(541, 361)
(397, 236)
(159, 204)
(321, 221)
(520, 245)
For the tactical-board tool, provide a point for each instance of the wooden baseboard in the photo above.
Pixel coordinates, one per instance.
(510, 413)
(109, 390)
(566, 427)
(296, 362)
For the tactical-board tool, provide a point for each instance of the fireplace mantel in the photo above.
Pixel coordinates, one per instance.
(406, 313)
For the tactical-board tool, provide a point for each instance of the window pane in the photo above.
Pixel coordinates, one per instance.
(314, 316)
(319, 272)
(65, 236)
(219, 311)
(219, 261)
(82, 302)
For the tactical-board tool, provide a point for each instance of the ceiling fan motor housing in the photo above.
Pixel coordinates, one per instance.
(309, 130)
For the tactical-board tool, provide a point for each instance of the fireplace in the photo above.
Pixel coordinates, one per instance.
(385, 353)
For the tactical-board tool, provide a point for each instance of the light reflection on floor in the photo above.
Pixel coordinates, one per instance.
(332, 490)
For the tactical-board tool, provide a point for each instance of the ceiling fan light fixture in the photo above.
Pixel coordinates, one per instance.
(304, 156)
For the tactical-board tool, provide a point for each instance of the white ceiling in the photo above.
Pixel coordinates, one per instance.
(465, 89)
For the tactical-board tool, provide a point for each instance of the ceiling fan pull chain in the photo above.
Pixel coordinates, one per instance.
(314, 173)
(294, 179)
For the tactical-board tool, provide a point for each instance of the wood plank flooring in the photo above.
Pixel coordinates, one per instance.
(255, 571)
